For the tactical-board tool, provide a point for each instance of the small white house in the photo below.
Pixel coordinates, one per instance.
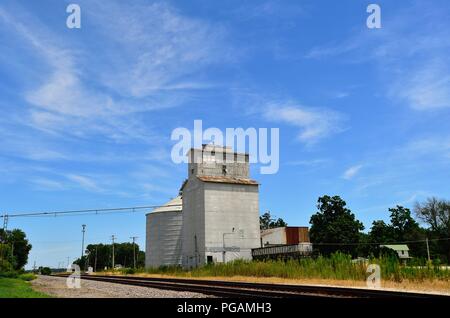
(402, 250)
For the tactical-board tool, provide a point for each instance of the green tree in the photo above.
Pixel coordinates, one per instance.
(266, 221)
(403, 224)
(380, 232)
(436, 214)
(402, 229)
(20, 247)
(334, 227)
(17, 248)
(5, 258)
(407, 230)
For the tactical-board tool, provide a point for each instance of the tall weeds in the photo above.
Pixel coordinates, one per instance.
(338, 266)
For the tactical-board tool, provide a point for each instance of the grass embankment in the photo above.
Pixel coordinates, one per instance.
(19, 287)
(338, 269)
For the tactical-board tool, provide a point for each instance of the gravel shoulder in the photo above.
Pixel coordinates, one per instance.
(56, 287)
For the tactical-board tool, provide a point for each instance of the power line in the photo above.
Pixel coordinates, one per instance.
(6, 216)
(382, 243)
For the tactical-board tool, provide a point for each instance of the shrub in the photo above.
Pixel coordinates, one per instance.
(27, 276)
(128, 271)
(5, 266)
(8, 274)
(45, 271)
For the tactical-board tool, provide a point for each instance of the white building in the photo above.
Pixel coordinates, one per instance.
(402, 250)
(219, 219)
(220, 207)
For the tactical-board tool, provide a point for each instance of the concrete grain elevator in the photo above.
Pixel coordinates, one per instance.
(220, 213)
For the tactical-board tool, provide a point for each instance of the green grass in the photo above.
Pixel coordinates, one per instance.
(337, 267)
(18, 288)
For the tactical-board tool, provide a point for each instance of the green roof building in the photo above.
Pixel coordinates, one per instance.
(401, 249)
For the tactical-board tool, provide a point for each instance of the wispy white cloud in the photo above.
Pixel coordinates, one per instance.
(314, 123)
(270, 10)
(351, 172)
(161, 48)
(413, 61)
(341, 94)
(309, 163)
(95, 102)
(47, 184)
(84, 182)
(150, 57)
(435, 146)
(426, 87)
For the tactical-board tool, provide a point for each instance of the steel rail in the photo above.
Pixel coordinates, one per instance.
(255, 290)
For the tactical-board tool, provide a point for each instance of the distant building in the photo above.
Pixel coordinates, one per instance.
(287, 235)
(284, 242)
(402, 250)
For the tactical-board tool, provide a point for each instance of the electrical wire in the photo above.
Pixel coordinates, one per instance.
(84, 212)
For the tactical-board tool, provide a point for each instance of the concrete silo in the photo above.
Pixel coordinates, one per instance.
(220, 207)
(163, 241)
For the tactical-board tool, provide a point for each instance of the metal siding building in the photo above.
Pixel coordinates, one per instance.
(287, 235)
(163, 239)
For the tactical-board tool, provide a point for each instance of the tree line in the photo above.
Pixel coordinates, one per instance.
(335, 228)
(100, 256)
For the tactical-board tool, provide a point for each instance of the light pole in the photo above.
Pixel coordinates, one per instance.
(82, 244)
(223, 241)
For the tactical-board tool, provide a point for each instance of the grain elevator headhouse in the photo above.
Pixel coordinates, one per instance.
(220, 207)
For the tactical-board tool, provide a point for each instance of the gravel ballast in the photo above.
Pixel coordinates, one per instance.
(56, 287)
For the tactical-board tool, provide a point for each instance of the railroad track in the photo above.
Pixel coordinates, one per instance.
(255, 290)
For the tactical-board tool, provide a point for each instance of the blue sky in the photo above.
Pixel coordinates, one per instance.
(87, 114)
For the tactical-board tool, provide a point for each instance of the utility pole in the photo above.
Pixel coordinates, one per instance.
(95, 262)
(68, 261)
(5, 233)
(34, 267)
(112, 238)
(5, 222)
(428, 249)
(82, 242)
(134, 250)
